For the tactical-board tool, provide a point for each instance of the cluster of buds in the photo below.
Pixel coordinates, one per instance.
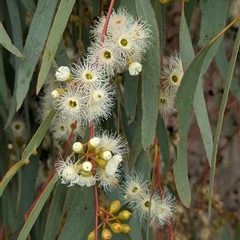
(99, 160)
(113, 221)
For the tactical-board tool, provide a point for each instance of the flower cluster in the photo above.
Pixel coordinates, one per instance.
(112, 221)
(100, 160)
(172, 75)
(83, 93)
(158, 210)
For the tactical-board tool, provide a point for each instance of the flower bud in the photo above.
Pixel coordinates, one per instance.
(91, 235)
(106, 234)
(163, 1)
(115, 206)
(77, 147)
(124, 215)
(101, 163)
(93, 143)
(55, 94)
(106, 155)
(87, 166)
(63, 74)
(101, 213)
(135, 68)
(126, 228)
(116, 227)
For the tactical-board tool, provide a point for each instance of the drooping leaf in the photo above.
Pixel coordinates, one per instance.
(199, 104)
(223, 66)
(150, 75)
(130, 96)
(162, 137)
(37, 208)
(6, 42)
(55, 212)
(221, 115)
(55, 35)
(183, 103)
(79, 222)
(35, 42)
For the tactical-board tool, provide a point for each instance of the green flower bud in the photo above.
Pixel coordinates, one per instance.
(116, 227)
(126, 228)
(115, 206)
(124, 215)
(106, 234)
(91, 235)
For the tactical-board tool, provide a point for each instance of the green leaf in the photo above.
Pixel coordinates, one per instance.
(221, 115)
(61, 55)
(30, 5)
(130, 96)
(34, 45)
(55, 212)
(3, 88)
(60, 21)
(213, 20)
(212, 23)
(80, 219)
(29, 150)
(199, 104)
(223, 66)
(188, 10)
(37, 208)
(225, 233)
(150, 75)
(183, 102)
(38, 136)
(160, 12)
(6, 42)
(163, 143)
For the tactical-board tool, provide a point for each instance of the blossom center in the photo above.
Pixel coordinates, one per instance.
(107, 54)
(17, 126)
(72, 103)
(88, 76)
(174, 78)
(124, 42)
(147, 204)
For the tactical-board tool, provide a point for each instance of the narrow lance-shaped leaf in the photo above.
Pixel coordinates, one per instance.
(184, 101)
(29, 150)
(221, 113)
(199, 104)
(60, 21)
(38, 205)
(6, 42)
(35, 42)
(150, 75)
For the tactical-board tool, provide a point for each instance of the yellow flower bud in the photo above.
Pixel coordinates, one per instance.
(115, 206)
(91, 235)
(101, 213)
(126, 228)
(101, 163)
(116, 227)
(163, 1)
(124, 215)
(106, 234)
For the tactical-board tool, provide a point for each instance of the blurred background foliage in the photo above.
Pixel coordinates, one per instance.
(34, 34)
